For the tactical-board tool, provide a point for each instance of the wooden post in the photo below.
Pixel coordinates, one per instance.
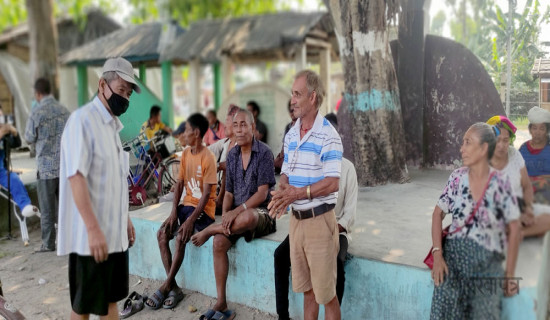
(143, 73)
(195, 85)
(82, 88)
(324, 62)
(168, 110)
(227, 74)
(301, 58)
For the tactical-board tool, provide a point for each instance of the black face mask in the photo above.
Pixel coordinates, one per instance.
(117, 103)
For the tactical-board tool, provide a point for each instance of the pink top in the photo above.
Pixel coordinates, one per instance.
(210, 137)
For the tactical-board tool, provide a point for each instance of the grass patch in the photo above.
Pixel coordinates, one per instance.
(520, 122)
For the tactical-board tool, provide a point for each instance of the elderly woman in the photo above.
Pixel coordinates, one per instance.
(536, 153)
(507, 159)
(469, 263)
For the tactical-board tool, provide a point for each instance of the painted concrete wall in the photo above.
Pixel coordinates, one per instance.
(374, 289)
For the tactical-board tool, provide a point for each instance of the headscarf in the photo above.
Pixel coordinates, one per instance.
(504, 122)
(538, 115)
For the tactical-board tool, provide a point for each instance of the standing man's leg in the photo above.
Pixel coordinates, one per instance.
(221, 269)
(341, 273)
(47, 198)
(282, 272)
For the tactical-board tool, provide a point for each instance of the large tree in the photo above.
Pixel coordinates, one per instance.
(42, 41)
(371, 91)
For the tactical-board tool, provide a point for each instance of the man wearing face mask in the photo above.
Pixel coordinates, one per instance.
(94, 228)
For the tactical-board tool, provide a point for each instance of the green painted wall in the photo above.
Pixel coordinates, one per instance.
(138, 112)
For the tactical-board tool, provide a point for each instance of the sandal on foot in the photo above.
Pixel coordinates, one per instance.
(225, 315)
(132, 305)
(207, 315)
(174, 297)
(157, 298)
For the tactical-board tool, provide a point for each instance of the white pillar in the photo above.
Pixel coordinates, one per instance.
(227, 74)
(301, 58)
(195, 86)
(324, 63)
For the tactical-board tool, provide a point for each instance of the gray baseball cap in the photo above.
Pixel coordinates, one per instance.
(124, 70)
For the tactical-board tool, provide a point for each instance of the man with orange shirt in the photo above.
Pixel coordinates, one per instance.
(198, 176)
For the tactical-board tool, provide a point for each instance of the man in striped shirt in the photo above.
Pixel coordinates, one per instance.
(309, 182)
(94, 228)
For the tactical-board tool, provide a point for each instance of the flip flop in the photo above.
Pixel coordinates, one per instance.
(174, 297)
(207, 315)
(157, 298)
(225, 315)
(132, 305)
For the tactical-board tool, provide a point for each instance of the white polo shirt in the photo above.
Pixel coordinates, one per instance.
(91, 145)
(316, 156)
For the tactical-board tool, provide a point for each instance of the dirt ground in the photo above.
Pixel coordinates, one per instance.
(37, 284)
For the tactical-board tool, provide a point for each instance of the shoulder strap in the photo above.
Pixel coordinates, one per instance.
(472, 215)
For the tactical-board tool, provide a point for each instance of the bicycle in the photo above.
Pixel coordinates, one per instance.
(156, 170)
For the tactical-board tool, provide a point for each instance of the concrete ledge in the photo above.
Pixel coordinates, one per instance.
(374, 289)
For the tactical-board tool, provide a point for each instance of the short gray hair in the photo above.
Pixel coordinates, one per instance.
(314, 84)
(110, 76)
(247, 113)
(486, 134)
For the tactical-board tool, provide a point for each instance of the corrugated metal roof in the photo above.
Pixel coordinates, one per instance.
(541, 67)
(252, 35)
(136, 43)
(70, 35)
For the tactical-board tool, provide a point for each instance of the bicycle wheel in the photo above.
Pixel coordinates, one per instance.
(168, 176)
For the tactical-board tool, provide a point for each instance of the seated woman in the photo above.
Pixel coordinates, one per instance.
(507, 159)
(8, 135)
(536, 153)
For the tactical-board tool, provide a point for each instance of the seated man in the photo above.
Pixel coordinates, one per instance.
(216, 131)
(536, 153)
(198, 175)
(249, 180)
(345, 216)
(10, 139)
(154, 124)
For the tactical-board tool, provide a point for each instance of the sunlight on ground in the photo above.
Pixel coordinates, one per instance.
(393, 255)
(14, 259)
(50, 300)
(371, 222)
(376, 232)
(15, 287)
(360, 230)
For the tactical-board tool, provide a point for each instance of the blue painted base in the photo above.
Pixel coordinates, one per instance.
(374, 289)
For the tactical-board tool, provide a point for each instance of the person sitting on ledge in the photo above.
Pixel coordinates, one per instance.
(536, 153)
(198, 175)
(250, 177)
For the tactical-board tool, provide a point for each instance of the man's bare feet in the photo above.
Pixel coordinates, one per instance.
(220, 306)
(198, 239)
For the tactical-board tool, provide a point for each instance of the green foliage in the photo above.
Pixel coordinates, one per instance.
(438, 22)
(483, 27)
(14, 12)
(188, 11)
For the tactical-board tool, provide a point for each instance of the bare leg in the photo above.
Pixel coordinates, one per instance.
(165, 252)
(245, 221)
(75, 316)
(311, 308)
(332, 310)
(112, 314)
(176, 265)
(539, 228)
(221, 267)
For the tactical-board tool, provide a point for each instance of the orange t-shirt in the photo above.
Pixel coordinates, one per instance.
(195, 171)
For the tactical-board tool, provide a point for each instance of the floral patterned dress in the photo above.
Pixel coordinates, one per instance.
(474, 255)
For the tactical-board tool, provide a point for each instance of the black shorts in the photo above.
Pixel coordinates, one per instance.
(203, 221)
(266, 225)
(94, 285)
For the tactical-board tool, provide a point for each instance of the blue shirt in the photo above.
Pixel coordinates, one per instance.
(44, 128)
(536, 164)
(316, 156)
(243, 184)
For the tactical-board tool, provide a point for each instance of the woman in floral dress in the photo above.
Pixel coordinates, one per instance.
(467, 270)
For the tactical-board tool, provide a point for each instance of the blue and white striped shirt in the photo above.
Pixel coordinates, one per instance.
(317, 156)
(91, 145)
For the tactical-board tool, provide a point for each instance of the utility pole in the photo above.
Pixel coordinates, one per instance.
(509, 55)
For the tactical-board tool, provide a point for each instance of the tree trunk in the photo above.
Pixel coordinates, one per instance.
(43, 42)
(371, 90)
